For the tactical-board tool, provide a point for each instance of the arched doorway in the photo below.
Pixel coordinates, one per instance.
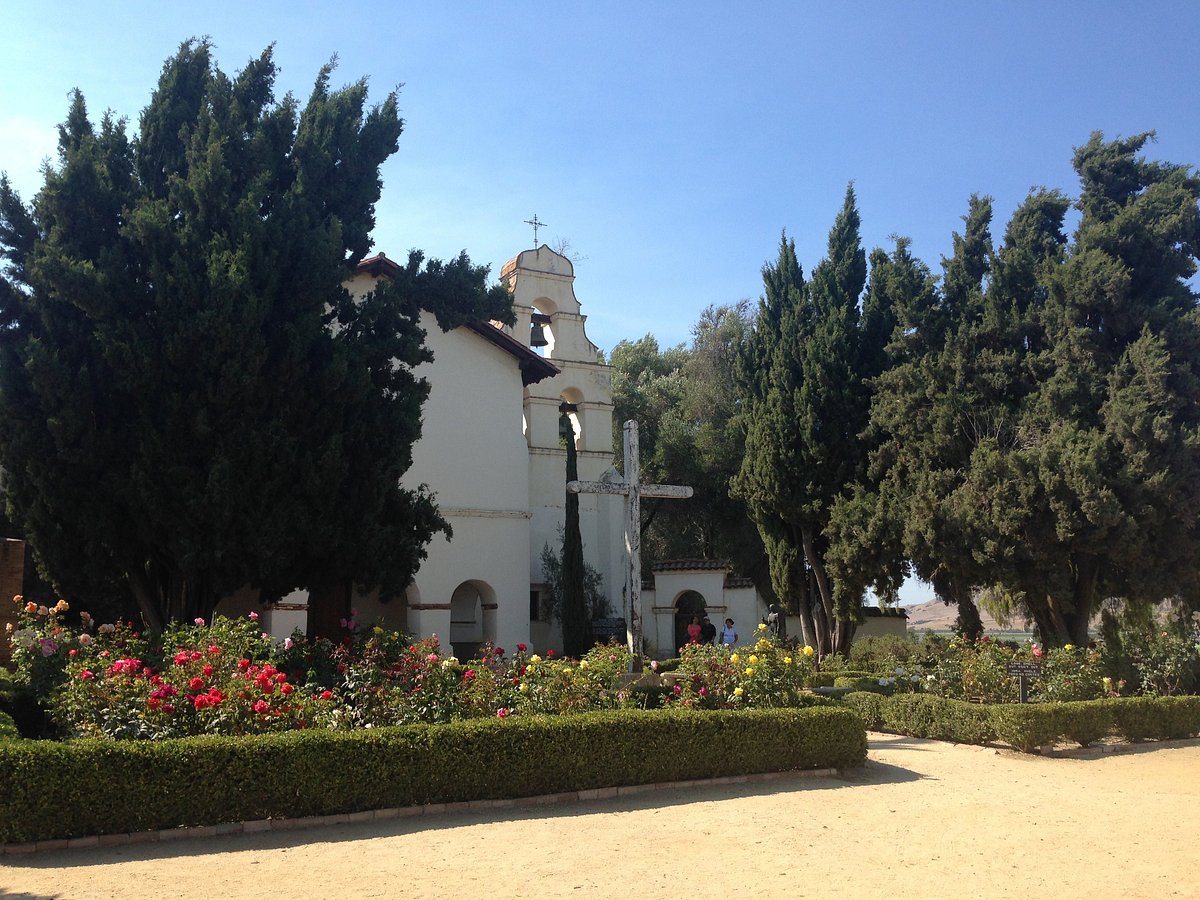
(472, 617)
(687, 605)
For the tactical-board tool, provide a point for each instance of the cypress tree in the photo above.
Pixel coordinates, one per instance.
(192, 400)
(576, 617)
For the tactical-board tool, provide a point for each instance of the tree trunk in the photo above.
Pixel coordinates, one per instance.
(147, 600)
(827, 621)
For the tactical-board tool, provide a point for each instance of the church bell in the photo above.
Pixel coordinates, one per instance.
(537, 335)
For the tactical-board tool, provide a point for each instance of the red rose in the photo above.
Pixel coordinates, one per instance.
(286, 688)
(196, 684)
(87, 675)
(521, 648)
(326, 695)
(208, 670)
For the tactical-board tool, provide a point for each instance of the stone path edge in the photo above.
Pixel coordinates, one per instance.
(292, 824)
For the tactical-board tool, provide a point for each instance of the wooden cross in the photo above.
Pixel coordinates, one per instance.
(632, 490)
(536, 225)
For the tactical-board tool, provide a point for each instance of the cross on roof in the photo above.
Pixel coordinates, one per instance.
(536, 225)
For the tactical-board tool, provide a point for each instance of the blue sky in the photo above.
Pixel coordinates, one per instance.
(669, 143)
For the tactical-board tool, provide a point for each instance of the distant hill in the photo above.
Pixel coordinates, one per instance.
(934, 615)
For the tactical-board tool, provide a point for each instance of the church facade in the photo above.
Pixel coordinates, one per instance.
(492, 452)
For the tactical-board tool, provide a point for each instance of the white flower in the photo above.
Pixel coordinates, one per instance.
(899, 670)
(883, 682)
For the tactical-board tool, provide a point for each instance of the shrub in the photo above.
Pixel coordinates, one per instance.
(1163, 718)
(8, 728)
(208, 779)
(882, 653)
(924, 716)
(764, 674)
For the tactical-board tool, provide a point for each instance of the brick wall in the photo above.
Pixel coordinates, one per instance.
(12, 575)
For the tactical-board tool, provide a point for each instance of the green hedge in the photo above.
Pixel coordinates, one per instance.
(1031, 725)
(120, 786)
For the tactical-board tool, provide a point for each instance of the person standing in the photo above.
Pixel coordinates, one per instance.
(708, 631)
(729, 634)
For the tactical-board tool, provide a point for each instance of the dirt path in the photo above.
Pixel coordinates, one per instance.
(922, 819)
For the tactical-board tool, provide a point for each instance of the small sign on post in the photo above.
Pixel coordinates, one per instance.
(1025, 669)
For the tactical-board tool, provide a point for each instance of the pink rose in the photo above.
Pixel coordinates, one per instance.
(253, 617)
(87, 675)
(261, 707)
(199, 621)
(502, 713)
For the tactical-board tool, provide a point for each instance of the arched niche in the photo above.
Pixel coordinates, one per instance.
(542, 323)
(472, 617)
(572, 401)
(688, 604)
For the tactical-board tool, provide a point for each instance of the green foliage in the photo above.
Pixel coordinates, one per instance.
(1038, 429)
(572, 574)
(684, 399)
(1030, 726)
(8, 728)
(319, 773)
(764, 674)
(596, 603)
(192, 400)
(882, 653)
(804, 407)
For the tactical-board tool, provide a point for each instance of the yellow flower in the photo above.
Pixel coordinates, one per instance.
(787, 660)
(534, 659)
(749, 671)
(524, 688)
(753, 660)
(737, 692)
(1068, 646)
(735, 659)
(762, 626)
(763, 644)
(583, 664)
(808, 651)
(377, 630)
(61, 606)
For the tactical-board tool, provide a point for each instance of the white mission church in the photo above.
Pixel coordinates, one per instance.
(490, 450)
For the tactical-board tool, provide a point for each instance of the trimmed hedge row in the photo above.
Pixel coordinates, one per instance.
(8, 728)
(1031, 725)
(79, 788)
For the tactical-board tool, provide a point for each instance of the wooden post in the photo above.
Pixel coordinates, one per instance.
(632, 490)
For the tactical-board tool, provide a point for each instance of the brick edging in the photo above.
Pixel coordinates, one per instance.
(396, 812)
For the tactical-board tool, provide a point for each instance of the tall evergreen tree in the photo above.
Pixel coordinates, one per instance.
(193, 402)
(576, 616)
(806, 401)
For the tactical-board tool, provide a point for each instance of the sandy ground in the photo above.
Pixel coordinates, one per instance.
(921, 819)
